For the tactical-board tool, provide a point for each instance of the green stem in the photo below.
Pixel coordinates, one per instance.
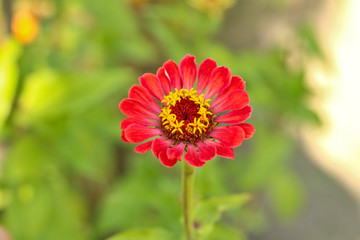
(6, 6)
(187, 191)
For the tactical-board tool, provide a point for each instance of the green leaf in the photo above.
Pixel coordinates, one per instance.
(286, 194)
(9, 54)
(42, 92)
(209, 212)
(48, 93)
(311, 42)
(227, 232)
(271, 149)
(143, 234)
(38, 191)
(127, 39)
(145, 197)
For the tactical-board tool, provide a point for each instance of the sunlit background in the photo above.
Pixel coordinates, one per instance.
(336, 145)
(65, 65)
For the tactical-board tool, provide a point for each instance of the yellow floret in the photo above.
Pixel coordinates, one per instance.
(169, 120)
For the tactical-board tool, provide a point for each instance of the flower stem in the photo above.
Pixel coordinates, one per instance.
(187, 191)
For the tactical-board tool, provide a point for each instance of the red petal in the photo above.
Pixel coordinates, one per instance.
(188, 71)
(219, 79)
(224, 151)
(192, 157)
(205, 69)
(152, 84)
(160, 145)
(235, 84)
(143, 96)
(207, 151)
(172, 70)
(229, 136)
(235, 100)
(144, 147)
(142, 121)
(176, 151)
(136, 133)
(248, 129)
(123, 137)
(164, 80)
(133, 108)
(236, 116)
(168, 162)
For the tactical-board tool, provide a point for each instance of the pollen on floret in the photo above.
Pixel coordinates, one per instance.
(186, 116)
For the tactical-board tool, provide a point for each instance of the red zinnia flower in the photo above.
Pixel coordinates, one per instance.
(178, 118)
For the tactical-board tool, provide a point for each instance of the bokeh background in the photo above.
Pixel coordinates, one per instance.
(66, 64)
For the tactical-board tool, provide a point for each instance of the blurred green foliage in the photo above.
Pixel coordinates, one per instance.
(65, 173)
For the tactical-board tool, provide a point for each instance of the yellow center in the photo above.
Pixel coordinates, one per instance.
(186, 115)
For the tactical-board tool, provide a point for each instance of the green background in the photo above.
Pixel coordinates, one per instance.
(66, 174)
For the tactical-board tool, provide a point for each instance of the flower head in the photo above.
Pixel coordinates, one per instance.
(25, 26)
(173, 114)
